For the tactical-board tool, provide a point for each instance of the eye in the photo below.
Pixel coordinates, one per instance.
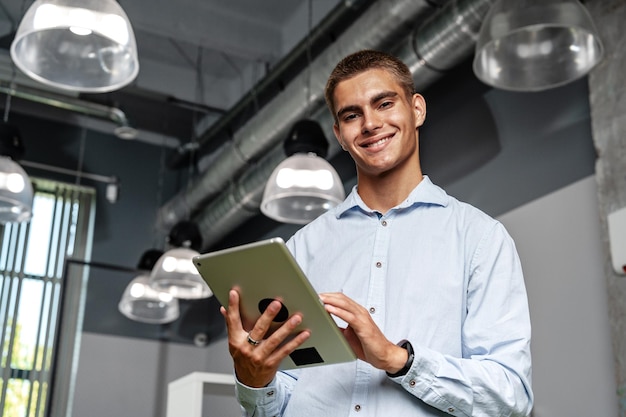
(350, 116)
(386, 104)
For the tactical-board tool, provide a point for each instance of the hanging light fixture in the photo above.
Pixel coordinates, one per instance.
(533, 45)
(16, 190)
(304, 185)
(77, 45)
(174, 272)
(141, 302)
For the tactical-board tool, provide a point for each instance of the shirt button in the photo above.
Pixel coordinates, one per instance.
(412, 382)
(450, 409)
(379, 264)
(384, 222)
(357, 408)
(270, 393)
(372, 310)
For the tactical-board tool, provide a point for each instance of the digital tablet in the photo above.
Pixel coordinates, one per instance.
(264, 271)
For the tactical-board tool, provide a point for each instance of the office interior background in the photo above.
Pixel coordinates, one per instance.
(218, 80)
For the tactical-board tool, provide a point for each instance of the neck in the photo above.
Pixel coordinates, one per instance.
(385, 191)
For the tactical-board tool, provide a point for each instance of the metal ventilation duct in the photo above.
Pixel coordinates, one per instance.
(443, 40)
(114, 114)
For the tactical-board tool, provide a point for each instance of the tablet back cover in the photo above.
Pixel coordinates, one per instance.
(263, 271)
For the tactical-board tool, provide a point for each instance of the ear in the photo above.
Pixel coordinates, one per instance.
(337, 133)
(419, 109)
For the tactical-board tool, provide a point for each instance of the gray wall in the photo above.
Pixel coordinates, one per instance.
(559, 242)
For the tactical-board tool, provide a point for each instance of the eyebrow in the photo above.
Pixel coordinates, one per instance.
(376, 98)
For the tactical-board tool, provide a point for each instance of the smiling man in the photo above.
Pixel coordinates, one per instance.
(430, 289)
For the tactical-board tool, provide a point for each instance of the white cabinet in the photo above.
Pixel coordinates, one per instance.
(186, 395)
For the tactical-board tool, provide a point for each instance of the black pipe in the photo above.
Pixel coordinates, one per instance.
(323, 35)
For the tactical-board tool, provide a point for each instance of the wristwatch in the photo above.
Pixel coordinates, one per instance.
(404, 344)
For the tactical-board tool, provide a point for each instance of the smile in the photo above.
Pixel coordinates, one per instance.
(377, 143)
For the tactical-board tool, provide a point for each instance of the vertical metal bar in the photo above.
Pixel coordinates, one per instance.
(47, 299)
(70, 318)
(5, 293)
(54, 319)
(16, 281)
(8, 280)
(20, 257)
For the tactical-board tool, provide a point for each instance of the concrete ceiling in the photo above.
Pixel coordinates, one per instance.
(210, 63)
(197, 59)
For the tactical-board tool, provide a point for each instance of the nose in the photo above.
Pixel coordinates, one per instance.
(371, 121)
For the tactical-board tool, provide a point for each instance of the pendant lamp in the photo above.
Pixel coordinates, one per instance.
(77, 45)
(140, 302)
(174, 272)
(533, 45)
(304, 185)
(16, 190)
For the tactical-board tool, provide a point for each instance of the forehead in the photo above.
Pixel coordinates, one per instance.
(364, 86)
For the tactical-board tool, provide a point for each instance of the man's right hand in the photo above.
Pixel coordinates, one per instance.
(256, 365)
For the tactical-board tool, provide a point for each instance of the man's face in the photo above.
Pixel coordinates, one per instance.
(376, 123)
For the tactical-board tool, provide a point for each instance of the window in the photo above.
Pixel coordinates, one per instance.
(32, 258)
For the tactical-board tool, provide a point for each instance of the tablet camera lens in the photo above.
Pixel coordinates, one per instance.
(283, 313)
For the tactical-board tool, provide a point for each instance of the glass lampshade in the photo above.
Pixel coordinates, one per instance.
(301, 188)
(16, 192)
(77, 45)
(533, 45)
(141, 302)
(175, 273)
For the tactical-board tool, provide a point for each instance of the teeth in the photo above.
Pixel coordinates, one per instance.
(380, 142)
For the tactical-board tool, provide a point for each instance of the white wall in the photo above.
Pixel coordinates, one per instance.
(558, 238)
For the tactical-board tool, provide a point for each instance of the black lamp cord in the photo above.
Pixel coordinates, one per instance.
(309, 59)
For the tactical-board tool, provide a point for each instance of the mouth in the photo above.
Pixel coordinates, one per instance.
(378, 142)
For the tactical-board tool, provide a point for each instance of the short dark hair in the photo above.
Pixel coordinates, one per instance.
(362, 61)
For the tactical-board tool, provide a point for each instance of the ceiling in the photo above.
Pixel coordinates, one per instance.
(197, 59)
(223, 82)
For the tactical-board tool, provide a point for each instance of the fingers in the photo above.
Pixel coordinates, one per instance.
(362, 333)
(257, 357)
(344, 307)
(263, 324)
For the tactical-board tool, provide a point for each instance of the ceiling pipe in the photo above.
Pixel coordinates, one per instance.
(302, 97)
(114, 114)
(323, 34)
(442, 42)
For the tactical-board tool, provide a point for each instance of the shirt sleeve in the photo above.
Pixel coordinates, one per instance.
(269, 401)
(493, 378)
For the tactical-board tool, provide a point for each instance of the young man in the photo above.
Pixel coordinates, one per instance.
(431, 288)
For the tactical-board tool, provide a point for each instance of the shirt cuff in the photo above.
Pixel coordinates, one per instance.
(251, 398)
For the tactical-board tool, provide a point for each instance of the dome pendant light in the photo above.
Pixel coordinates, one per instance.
(140, 302)
(16, 190)
(77, 45)
(304, 185)
(174, 271)
(533, 45)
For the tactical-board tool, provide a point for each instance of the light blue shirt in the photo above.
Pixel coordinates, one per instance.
(432, 270)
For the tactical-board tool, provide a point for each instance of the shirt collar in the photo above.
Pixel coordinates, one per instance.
(424, 193)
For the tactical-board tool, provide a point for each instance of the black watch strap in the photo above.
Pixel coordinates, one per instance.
(405, 344)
